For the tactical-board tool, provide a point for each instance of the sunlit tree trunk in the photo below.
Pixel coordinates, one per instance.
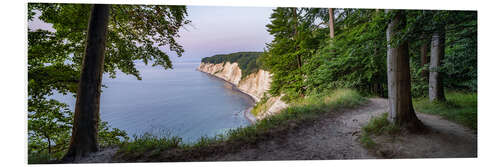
(398, 76)
(86, 117)
(332, 22)
(436, 90)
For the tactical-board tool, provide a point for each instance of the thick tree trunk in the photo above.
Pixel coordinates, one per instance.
(436, 90)
(424, 50)
(398, 76)
(86, 117)
(332, 22)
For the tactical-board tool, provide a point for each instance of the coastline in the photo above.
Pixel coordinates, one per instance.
(248, 115)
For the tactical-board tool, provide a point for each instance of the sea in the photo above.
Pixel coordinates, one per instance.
(179, 102)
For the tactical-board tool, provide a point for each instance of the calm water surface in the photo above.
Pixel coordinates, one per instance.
(183, 102)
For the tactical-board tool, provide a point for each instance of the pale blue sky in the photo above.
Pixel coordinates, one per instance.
(217, 30)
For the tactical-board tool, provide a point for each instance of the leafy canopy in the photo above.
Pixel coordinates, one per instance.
(135, 33)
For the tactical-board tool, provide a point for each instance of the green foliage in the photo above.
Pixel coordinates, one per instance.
(247, 61)
(355, 58)
(49, 128)
(148, 142)
(110, 137)
(459, 107)
(49, 131)
(260, 106)
(459, 65)
(296, 38)
(135, 32)
(460, 61)
(419, 84)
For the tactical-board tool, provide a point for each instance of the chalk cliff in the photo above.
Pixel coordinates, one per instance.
(256, 84)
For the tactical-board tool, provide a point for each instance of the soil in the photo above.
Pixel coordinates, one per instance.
(336, 136)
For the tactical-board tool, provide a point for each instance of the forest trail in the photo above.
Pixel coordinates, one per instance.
(336, 136)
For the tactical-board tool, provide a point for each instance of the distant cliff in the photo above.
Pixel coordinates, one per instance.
(255, 84)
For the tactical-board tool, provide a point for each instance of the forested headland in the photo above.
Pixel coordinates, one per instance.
(247, 61)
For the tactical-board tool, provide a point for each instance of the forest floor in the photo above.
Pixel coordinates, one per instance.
(336, 136)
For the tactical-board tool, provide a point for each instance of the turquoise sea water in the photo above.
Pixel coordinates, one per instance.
(183, 102)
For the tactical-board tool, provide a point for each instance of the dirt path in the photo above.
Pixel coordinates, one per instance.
(335, 136)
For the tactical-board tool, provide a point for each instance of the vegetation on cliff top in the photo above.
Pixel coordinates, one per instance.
(247, 61)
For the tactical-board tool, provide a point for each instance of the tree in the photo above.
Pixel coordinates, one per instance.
(424, 50)
(295, 38)
(135, 32)
(331, 22)
(401, 110)
(436, 90)
(357, 57)
(86, 116)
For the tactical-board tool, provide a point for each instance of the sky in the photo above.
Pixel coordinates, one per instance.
(215, 30)
(219, 30)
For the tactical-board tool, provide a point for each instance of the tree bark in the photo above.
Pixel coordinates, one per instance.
(398, 76)
(86, 117)
(436, 90)
(332, 22)
(424, 50)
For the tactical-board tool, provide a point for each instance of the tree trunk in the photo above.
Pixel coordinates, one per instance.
(332, 22)
(86, 117)
(436, 91)
(398, 76)
(50, 148)
(424, 48)
(295, 34)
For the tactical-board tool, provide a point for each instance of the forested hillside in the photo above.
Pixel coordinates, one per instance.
(247, 61)
(305, 58)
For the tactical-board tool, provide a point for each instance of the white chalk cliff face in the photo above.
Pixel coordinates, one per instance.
(255, 84)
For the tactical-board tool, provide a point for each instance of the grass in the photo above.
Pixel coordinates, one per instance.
(459, 107)
(260, 106)
(377, 126)
(147, 142)
(300, 112)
